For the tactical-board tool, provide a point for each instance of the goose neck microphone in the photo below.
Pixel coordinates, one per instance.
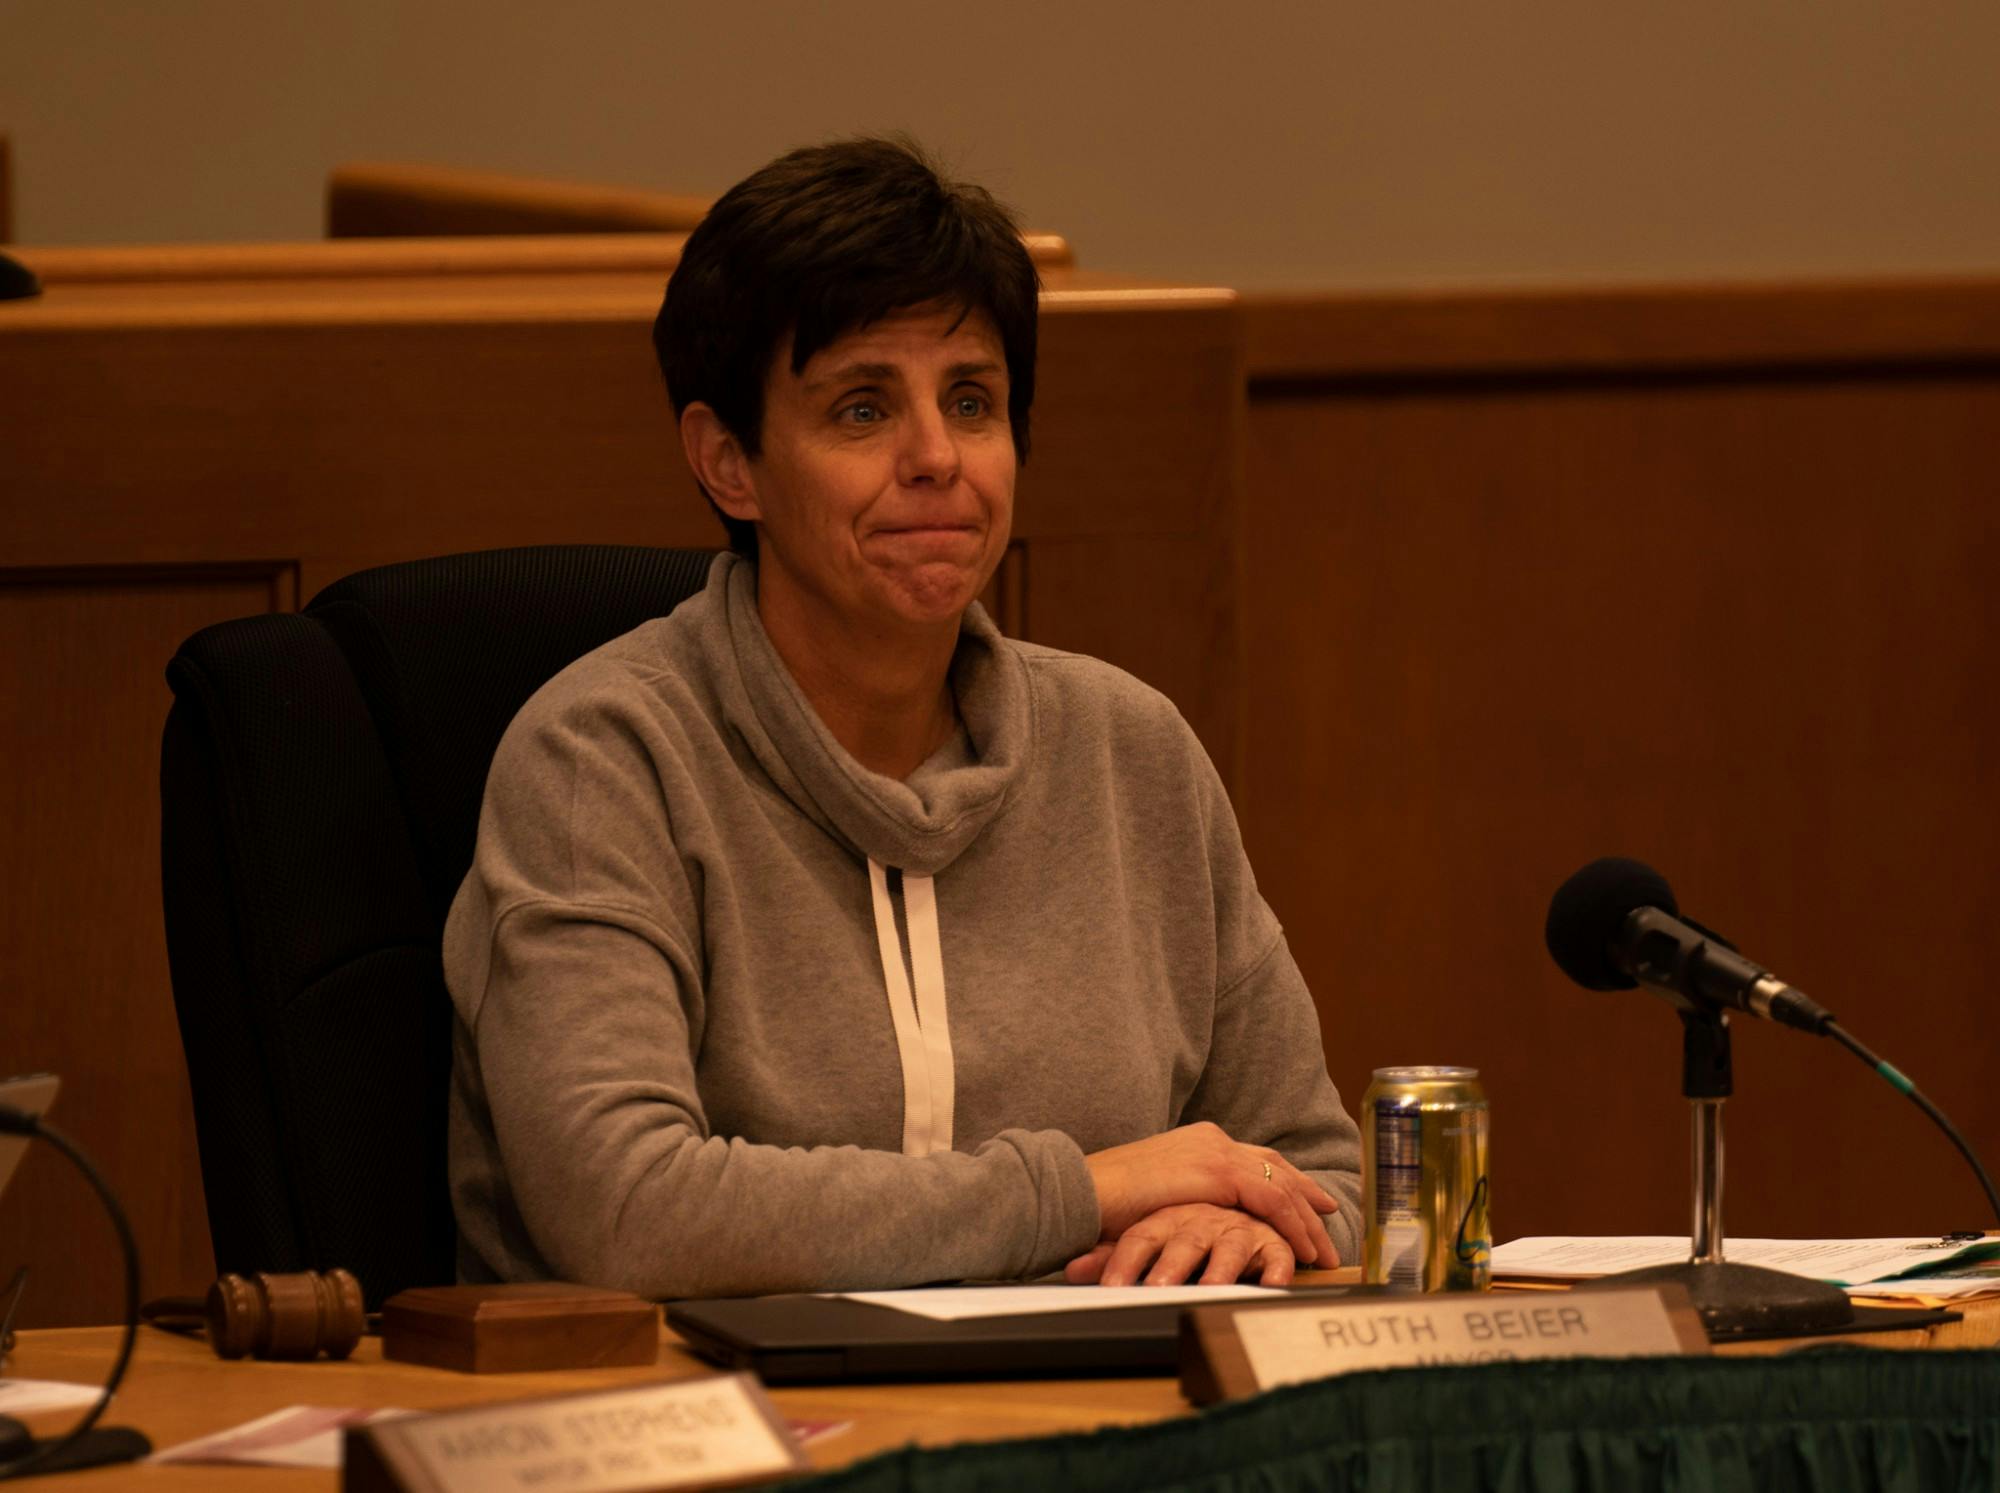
(1615, 925)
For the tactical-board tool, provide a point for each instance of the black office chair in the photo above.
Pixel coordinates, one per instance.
(320, 782)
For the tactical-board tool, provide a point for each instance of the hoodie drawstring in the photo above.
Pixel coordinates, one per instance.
(923, 1031)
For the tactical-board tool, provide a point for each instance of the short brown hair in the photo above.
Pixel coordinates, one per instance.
(822, 242)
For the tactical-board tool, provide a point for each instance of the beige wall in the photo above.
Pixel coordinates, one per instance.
(1326, 144)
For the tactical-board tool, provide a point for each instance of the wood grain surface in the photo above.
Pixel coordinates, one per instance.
(178, 1390)
(83, 965)
(1528, 602)
(368, 199)
(650, 257)
(1817, 325)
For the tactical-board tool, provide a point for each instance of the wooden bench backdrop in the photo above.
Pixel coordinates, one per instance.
(1702, 575)
(1473, 588)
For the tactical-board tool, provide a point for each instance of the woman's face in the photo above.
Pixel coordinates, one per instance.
(885, 489)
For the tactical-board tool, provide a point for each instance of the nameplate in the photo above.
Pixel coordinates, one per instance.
(1228, 1352)
(719, 1431)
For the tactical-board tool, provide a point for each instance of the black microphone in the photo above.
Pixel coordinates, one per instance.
(1615, 924)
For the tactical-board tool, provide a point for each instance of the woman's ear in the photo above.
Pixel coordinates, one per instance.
(719, 463)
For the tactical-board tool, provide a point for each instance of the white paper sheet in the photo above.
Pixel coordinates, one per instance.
(296, 1436)
(26, 1396)
(960, 1303)
(1843, 1261)
(1931, 1287)
(315, 1436)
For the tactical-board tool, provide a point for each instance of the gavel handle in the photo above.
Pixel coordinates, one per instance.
(186, 1315)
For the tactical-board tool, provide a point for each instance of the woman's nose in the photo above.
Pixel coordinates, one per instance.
(930, 451)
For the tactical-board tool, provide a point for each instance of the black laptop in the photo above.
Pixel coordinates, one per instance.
(820, 1339)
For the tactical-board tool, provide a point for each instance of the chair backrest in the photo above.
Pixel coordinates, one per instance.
(321, 776)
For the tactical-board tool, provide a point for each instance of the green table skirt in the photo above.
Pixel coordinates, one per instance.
(1829, 1420)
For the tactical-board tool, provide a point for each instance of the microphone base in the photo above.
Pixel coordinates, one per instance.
(99, 1447)
(1736, 1299)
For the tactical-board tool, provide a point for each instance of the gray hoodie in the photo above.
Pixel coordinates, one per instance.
(735, 1014)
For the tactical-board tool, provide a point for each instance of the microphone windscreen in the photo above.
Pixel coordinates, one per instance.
(1588, 912)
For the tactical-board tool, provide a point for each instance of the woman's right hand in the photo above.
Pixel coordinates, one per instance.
(1199, 1163)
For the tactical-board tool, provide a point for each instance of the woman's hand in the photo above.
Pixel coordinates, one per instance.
(1163, 1248)
(1200, 1164)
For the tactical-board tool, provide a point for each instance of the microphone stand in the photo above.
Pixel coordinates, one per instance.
(1733, 1300)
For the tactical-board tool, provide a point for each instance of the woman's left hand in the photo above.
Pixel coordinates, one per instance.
(1165, 1246)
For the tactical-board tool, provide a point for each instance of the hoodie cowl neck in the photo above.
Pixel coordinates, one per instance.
(920, 825)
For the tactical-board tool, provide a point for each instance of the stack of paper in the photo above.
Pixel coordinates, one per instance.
(26, 1396)
(1931, 1271)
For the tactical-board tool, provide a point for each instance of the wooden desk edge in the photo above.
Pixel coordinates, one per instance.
(177, 1390)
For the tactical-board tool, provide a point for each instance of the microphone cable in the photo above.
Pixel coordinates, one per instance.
(1900, 1082)
(1615, 924)
(16, 1122)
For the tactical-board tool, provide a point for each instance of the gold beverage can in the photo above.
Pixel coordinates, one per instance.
(1423, 1180)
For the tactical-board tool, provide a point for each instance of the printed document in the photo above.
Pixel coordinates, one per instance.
(1844, 1262)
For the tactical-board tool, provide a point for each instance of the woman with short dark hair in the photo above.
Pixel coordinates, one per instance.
(818, 936)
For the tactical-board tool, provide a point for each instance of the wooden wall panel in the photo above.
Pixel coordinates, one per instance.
(1737, 623)
(1107, 597)
(315, 440)
(1127, 509)
(352, 422)
(82, 956)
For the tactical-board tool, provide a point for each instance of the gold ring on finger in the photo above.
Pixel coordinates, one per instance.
(1267, 1171)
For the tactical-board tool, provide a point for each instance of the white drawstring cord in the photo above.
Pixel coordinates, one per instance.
(923, 1029)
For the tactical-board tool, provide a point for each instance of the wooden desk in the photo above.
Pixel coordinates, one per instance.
(177, 1390)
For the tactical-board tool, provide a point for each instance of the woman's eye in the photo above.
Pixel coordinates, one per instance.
(971, 406)
(862, 414)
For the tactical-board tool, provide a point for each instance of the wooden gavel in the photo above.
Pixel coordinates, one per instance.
(286, 1316)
